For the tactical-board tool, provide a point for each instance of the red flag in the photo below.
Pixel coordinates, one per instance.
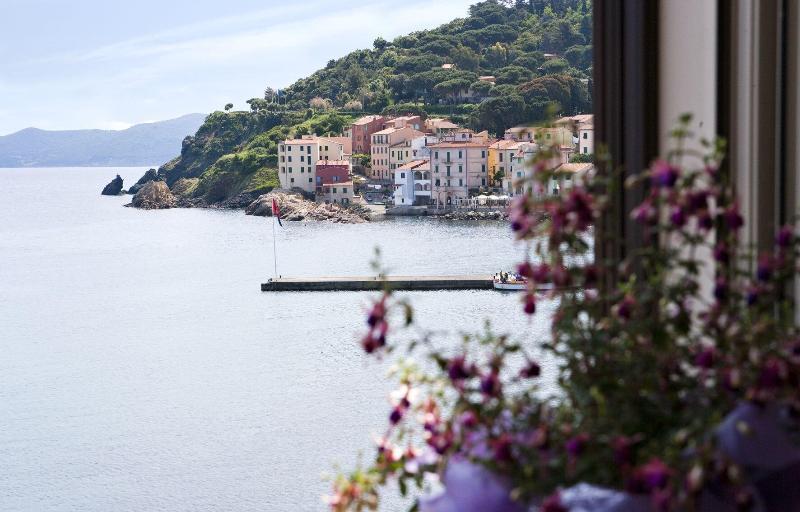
(276, 212)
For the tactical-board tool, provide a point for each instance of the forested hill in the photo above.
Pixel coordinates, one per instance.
(537, 51)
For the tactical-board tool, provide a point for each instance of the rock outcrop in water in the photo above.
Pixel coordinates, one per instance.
(154, 195)
(114, 188)
(295, 207)
(149, 176)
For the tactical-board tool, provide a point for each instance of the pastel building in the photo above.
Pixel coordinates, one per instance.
(458, 167)
(361, 133)
(505, 158)
(338, 193)
(586, 139)
(414, 122)
(410, 149)
(297, 160)
(412, 183)
(331, 172)
(382, 142)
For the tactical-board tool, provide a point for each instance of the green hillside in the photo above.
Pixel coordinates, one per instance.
(538, 51)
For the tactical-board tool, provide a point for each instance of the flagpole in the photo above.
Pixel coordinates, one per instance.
(274, 249)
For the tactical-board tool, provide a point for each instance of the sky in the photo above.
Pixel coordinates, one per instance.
(70, 64)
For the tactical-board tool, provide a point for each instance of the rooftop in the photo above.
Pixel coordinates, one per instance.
(366, 119)
(574, 168)
(416, 165)
(460, 144)
(333, 163)
(506, 144)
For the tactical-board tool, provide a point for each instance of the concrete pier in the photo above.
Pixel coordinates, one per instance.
(359, 283)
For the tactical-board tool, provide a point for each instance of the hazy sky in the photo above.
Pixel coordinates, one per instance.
(109, 63)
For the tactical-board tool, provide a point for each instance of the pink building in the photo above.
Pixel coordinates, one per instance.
(361, 133)
(332, 171)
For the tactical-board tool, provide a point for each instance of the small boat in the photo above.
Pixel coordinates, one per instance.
(509, 282)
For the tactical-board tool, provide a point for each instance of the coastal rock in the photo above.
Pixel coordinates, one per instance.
(154, 195)
(149, 176)
(114, 188)
(237, 202)
(184, 187)
(295, 207)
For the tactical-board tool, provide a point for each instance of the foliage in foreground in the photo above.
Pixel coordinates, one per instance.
(648, 368)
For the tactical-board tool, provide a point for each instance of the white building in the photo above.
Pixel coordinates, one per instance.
(412, 183)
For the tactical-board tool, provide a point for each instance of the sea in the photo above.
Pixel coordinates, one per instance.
(142, 369)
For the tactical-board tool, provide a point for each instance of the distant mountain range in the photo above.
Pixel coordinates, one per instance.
(141, 144)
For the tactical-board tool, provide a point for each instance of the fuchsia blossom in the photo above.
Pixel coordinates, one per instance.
(530, 303)
(785, 237)
(733, 219)
(664, 175)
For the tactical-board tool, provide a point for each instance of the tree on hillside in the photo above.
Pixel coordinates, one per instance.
(353, 105)
(228, 106)
(465, 58)
(498, 114)
(270, 94)
(318, 103)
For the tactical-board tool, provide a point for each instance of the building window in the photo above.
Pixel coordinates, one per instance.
(283, 170)
(290, 158)
(310, 180)
(302, 159)
(344, 190)
(292, 180)
(483, 168)
(460, 168)
(483, 181)
(460, 182)
(289, 148)
(585, 150)
(402, 175)
(459, 154)
(483, 154)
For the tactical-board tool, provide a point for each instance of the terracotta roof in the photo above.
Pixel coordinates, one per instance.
(387, 131)
(460, 144)
(338, 163)
(366, 119)
(506, 144)
(421, 165)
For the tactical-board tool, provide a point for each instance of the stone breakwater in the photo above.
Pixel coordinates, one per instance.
(473, 215)
(295, 207)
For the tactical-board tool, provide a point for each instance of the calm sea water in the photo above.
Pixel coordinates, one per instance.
(142, 369)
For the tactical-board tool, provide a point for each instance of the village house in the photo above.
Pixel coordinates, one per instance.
(410, 149)
(338, 193)
(414, 122)
(331, 172)
(381, 143)
(582, 128)
(440, 126)
(458, 167)
(361, 133)
(506, 158)
(412, 183)
(297, 160)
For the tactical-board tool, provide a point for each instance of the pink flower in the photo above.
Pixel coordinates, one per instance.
(785, 237)
(664, 175)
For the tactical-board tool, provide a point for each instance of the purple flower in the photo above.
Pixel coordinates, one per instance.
(490, 384)
(733, 219)
(655, 474)
(396, 415)
(591, 274)
(773, 373)
(764, 268)
(457, 369)
(624, 309)
(531, 370)
(705, 358)
(704, 221)
(645, 213)
(720, 289)
(785, 237)
(721, 253)
(698, 200)
(469, 487)
(752, 295)
(530, 304)
(541, 273)
(553, 504)
(677, 217)
(575, 445)
(525, 269)
(663, 174)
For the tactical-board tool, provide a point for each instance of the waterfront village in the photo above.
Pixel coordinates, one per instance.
(415, 164)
